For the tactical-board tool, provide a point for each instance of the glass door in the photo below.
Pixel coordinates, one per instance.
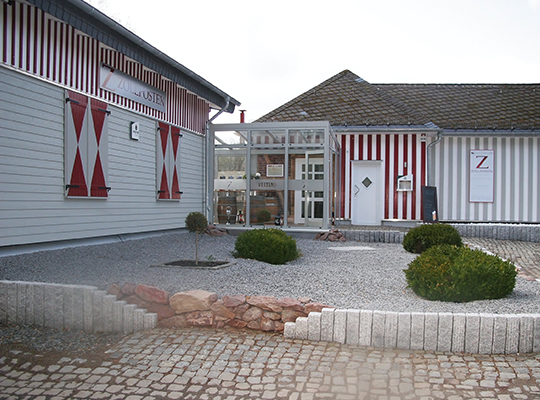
(309, 202)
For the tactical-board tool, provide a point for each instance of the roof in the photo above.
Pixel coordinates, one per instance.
(94, 23)
(347, 100)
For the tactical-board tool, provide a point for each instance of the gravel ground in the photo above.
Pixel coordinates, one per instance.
(345, 275)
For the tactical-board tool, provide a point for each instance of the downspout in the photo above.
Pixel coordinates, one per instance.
(429, 146)
(209, 154)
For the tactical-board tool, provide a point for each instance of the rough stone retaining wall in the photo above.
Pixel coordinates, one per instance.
(455, 332)
(69, 307)
(203, 308)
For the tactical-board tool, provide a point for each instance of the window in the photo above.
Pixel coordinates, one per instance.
(168, 162)
(86, 147)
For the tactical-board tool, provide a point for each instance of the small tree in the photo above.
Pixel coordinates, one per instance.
(196, 222)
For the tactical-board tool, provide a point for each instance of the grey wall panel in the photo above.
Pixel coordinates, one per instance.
(33, 207)
(516, 179)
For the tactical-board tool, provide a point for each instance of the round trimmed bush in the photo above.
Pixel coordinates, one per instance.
(263, 216)
(425, 236)
(459, 274)
(269, 245)
(196, 222)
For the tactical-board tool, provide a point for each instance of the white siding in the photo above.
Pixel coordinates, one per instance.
(516, 179)
(33, 207)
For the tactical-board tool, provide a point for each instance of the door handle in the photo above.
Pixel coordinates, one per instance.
(357, 190)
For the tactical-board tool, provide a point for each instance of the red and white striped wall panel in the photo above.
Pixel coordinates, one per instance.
(37, 43)
(401, 154)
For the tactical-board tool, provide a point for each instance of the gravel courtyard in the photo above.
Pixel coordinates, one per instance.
(345, 275)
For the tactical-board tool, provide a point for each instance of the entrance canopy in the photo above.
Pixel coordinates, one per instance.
(278, 173)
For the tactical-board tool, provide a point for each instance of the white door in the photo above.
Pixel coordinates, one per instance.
(366, 193)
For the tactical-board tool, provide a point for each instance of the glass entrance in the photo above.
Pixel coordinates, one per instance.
(279, 174)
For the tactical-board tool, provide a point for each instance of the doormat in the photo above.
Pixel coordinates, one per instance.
(190, 264)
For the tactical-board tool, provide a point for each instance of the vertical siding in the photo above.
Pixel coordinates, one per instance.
(516, 179)
(32, 203)
(37, 43)
(401, 155)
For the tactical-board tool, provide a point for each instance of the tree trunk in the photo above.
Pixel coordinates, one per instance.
(197, 248)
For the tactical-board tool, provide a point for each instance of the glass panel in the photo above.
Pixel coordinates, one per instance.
(267, 137)
(367, 182)
(238, 138)
(306, 136)
(266, 207)
(229, 186)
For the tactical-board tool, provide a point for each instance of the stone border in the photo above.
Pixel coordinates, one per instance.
(524, 233)
(454, 332)
(69, 307)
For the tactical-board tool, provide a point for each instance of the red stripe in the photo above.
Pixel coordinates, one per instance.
(360, 148)
(370, 145)
(21, 34)
(379, 147)
(13, 35)
(42, 49)
(54, 45)
(29, 36)
(342, 194)
(414, 171)
(396, 172)
(35, 37)
(387, 178)
(423, 173)
(405, 169)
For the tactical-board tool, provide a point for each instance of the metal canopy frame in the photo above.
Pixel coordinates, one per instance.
(328, 147)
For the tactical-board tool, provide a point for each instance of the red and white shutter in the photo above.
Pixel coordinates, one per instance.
(168, 162)
(98, 149)
(86, 152)
(75, 145)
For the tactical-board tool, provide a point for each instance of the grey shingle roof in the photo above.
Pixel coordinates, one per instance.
(346, 99)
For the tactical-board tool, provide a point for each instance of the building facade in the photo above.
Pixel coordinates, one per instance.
(477, 145)
(100, 133)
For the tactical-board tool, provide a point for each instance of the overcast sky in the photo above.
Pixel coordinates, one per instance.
(265, 53)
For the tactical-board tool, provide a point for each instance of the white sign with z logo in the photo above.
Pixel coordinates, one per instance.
(481, 176)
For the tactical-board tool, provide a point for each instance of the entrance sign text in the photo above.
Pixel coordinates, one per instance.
(122, 84)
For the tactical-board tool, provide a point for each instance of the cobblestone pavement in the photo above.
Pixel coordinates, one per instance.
(523, 254)
(234, 365)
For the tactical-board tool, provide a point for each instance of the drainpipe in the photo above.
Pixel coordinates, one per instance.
(209, 161)
(429, 146)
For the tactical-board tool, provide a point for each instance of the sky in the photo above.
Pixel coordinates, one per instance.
(265, 53)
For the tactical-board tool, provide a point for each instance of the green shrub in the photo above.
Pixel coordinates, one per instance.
(269, 245)
(459, 274)
(425, 236)
(196, 222)
(263, 216)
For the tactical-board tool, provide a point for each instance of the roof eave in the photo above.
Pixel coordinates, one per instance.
(491, 132)
(94, 23)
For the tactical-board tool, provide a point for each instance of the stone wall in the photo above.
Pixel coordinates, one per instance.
(69, 307)
(455, 332)
(524, 233)
(202, 308)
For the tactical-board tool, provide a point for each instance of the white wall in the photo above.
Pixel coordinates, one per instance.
(33, 207)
